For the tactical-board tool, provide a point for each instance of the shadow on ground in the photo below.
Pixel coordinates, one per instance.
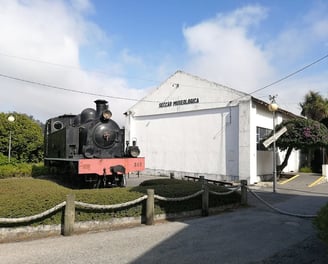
(248, 235)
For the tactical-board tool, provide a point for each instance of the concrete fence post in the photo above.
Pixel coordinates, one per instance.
(150, 207)
(243, 198)
(205, 196)
(325, 171)
(69, 217)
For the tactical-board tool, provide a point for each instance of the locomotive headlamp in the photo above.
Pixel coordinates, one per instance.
(133, 151)
(106, 115)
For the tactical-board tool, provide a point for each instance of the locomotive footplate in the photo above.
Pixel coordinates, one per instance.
(98, 166)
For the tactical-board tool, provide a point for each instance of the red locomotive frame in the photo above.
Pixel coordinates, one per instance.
(102, 166)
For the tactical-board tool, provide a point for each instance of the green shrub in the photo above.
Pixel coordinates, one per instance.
(3, 159)
(306, 169)
(39, 169)
(321, 223)
(11, 170)
(15, 169)
(178, 188)
(21, 197)
(155, 182)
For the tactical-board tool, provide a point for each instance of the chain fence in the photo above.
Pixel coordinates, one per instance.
(205, 192)
(108, 207)
(33, 217)
(112, 206)
(280, 211)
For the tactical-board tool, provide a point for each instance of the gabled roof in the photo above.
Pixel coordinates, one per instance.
(186, 92)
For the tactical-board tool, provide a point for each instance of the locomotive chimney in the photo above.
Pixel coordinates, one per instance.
(101, 105)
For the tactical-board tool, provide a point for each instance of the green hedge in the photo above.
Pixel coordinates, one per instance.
(15, 169)
(306, 170)
(27, 196)
(321, 223)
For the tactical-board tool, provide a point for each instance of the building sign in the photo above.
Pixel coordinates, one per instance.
(179, 102)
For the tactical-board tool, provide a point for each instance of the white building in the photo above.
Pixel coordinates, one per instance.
(191, 126)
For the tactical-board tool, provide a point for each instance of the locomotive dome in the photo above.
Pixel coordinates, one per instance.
(88, 114)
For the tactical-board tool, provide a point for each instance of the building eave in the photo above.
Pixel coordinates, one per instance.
(280, 110)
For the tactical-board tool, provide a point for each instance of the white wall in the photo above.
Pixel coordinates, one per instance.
(196, 142)
(214, 137)
(245, 153)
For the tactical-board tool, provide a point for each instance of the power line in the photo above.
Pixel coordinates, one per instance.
(153, 101)
(291, 74)
(156, 81)
(66, 89)
(72, 67)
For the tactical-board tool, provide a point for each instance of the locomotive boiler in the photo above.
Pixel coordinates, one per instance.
(90, 149)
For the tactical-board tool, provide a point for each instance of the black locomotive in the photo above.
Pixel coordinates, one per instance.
(89, 148)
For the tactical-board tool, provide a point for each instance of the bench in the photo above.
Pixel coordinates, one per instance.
(221, 183)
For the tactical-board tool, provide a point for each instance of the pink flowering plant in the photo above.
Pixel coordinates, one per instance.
(301, 134)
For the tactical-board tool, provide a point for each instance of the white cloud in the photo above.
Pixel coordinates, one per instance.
(82, 5)
(293, 91)
(221, 49)
(224, 49)
(52, 31)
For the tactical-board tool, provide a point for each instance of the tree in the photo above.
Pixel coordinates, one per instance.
(314, 106)
(301, 134)
(27, 137)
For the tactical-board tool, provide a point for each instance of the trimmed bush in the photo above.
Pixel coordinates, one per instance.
(178, 188)
(306, 169)
(14, 169)
(39, 169)
(21, 197)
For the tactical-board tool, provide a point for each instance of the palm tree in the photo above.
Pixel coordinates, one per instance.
(315, 107)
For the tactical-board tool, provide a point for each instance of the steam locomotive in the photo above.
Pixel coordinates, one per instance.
(89, 149)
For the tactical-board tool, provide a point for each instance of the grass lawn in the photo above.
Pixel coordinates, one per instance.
(20, 197)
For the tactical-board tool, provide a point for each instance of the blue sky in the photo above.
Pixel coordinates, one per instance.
(127, 48)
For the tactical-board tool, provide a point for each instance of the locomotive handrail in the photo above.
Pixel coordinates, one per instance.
(177, 199)
(33, 217)
(111, 206)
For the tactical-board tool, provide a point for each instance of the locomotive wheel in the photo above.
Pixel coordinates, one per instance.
(122, 180)
(100, 183)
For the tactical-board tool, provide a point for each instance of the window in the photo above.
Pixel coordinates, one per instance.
(58, 125)
(261, 134)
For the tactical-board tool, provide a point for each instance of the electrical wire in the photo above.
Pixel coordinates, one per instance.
(67, 89)
(136, 100)
(72, 67)
(291, 74)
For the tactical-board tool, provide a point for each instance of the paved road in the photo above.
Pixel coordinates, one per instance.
(302, 183)
(135, 180)
(246, 235)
